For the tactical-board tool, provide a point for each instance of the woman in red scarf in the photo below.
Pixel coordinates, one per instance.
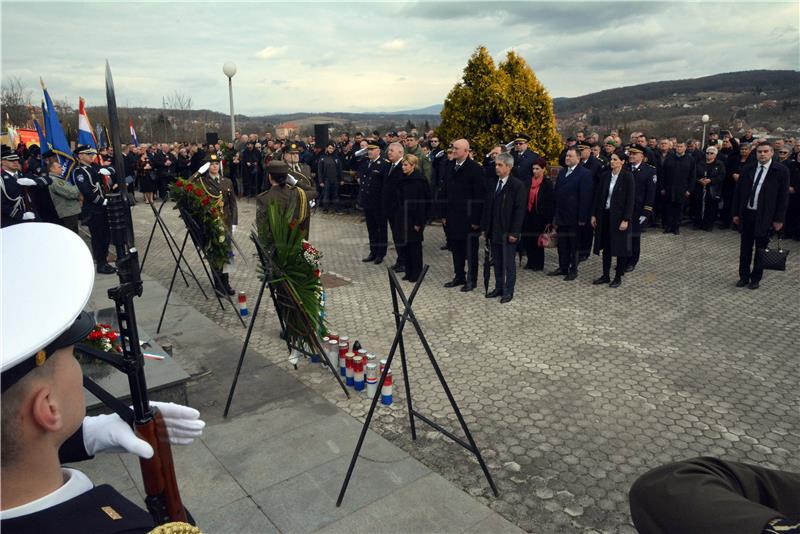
(538, 215)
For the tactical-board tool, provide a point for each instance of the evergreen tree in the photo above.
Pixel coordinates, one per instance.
(492, 104)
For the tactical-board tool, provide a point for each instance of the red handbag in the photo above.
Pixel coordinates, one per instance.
(548, 238)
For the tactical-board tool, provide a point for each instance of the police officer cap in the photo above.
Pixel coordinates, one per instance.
(85, 149)
(373, 143)
(9, 154)
(522, 138)
(277, 167)
(41, 313)
(585, 145)
(212, 158)
(635, 149)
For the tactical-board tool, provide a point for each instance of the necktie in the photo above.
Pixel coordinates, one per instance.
(458, 166)
(752, 200)
(499, 187)
(569, 171)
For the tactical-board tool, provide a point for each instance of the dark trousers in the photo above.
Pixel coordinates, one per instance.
(413, 252)
(163, 186)
(748, 239)
(249, 180)
(533, 251)
(673, 213)
(712, 495)
(568, 249)
(705, 209)
(70, 222)
(399, 243)
(585, 237)
(330, 195)
(505, 269)
(465, 251)
(636, 240)
(793, 217)
(101, 236)
(377, 231)
(605, 235)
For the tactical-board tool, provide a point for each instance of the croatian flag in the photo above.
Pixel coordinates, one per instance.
(134, 140)
(85, 132)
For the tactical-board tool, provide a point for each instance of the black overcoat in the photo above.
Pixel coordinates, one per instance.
(622, 199)
(462, 196)
(413, 203)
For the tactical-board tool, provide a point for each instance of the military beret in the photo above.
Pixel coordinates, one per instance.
(611, 142)
(85, 149)
(9, 154)
(277, 167)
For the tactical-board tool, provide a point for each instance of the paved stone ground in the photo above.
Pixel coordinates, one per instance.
(571, 390)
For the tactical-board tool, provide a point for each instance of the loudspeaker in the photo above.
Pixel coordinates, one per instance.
(321, 135)
(212, 138)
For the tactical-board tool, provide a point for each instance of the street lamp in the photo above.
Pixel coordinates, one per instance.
(704, 118)
(229, 69)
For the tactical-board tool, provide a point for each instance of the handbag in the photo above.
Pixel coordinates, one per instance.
(548, 238)
(773, 259)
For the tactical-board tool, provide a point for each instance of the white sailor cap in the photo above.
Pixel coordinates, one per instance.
(46, 278)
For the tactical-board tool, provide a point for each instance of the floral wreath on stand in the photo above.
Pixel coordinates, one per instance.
(207, 213)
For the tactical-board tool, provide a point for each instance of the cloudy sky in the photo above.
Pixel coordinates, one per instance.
(377, 56)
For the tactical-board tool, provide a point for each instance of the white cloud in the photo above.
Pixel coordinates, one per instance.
(394, 44)
(271, 52)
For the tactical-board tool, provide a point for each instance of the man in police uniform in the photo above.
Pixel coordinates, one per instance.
(15, 199)
(644, 178)
(94, 214)
(594, 166)
(220, 189)
(43, 423)
(370, 197)
(524, 158)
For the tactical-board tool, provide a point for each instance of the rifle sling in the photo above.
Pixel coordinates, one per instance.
(119, 407)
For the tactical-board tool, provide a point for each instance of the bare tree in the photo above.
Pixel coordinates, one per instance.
(181, 103)
(15, 100)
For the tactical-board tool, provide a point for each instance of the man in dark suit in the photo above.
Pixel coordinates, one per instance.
(759, 206)
(394, 153)
(644, 177)
(370, 198)
(594, 166)
(524, 157)
(503, 214)
(573, 204)
(462, 197)
(676, 187)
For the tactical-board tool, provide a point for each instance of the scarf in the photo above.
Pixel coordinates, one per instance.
(533, 194)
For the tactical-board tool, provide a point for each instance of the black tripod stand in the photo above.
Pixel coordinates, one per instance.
(285, 303)
(400, 322)
(194, 231)
(170, 239)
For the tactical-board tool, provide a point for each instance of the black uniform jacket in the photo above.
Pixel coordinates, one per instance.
(462, 195)
(370, 191)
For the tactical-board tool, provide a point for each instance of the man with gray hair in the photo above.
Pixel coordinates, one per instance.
(394, 153)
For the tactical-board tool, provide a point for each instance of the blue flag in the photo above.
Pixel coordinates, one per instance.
(42, 139)
(56, 140)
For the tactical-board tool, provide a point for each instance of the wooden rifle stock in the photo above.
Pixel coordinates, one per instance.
(158, 473)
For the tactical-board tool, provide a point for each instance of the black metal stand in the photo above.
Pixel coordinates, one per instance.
(309, 334)
(193, 231)
(400, 322)
(171, 242)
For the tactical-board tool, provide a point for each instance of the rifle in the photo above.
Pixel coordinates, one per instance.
(158, 473)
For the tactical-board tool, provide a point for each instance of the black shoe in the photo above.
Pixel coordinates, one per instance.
(583, 257)
(378, 261)
(557, 272)
(506, 298)
(570, 277)
(742, 282)
(753, 285)
(469, 286)
(616, 282)
(676, 231)
(602, 280)
(494, 293)
(455, 282)
(629, 268)
(399, 268)
(105, 268)
(369, 258)
(226, 284)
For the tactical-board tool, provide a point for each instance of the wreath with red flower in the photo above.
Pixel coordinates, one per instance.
(203, 209)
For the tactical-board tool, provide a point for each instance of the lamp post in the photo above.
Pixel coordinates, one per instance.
(704, 118)
(229, 69)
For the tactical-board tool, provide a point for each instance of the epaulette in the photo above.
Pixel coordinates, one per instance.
(651, 166)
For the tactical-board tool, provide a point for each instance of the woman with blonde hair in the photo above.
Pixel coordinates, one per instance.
(411, 213)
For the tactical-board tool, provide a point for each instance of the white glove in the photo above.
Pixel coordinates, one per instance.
(642, 219)
(104, 172)
(28, 216)
(233, 229)
(25, 181)
(109, 433)
(105, 202)
(291, 180)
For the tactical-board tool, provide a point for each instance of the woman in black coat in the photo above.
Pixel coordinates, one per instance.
(413, 203)
(611, 219)
(539, 213)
